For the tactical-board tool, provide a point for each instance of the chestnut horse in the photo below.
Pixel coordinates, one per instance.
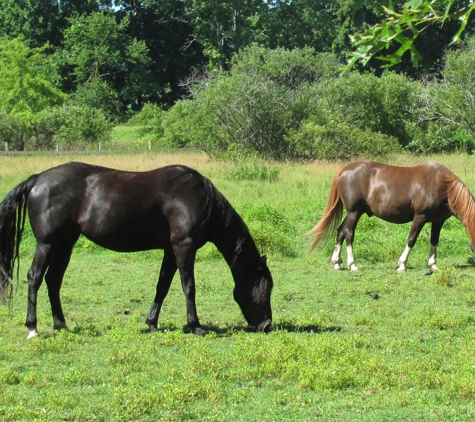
(428, 193)
(172, 208)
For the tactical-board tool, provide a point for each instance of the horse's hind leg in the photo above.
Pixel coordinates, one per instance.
(167, 272)
(54, 279)
(35, 278)
(336, 256)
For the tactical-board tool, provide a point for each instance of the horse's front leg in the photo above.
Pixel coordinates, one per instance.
(35, 278)
(434, 241)
(185, 253)
(348, 232)
(167, 272)
(417, 225)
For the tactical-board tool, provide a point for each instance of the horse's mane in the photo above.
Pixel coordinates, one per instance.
(227, 222)
(230, 227)
(461, 202)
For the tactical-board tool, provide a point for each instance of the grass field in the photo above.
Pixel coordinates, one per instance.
(335, 354)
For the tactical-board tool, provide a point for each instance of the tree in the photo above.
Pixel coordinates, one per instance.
(36, 20)
(298, 24)
(172, 50)
(43, 21)
(97, 47)
(27, 84)
(224, 28)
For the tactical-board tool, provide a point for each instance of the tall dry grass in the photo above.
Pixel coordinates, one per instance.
(11, 166)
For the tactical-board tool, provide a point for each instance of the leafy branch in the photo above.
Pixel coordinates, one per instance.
(404, 26)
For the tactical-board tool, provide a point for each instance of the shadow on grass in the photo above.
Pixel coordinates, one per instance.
(470, 264)
(229, 331)
(312, 329)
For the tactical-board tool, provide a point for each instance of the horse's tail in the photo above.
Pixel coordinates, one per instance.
(12, 223)
(330, 220)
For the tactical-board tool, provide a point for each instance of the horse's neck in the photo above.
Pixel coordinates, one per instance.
(236, 246)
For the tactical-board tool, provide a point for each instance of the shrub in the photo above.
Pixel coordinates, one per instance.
(266, 94)
(270, 230)
(438, 136)
(97, 94)
(73, 125)
(188, 123)
(339, 141)
(149, 122)
(446, 110)
(257, 170)
(11, 131)
(369, 103)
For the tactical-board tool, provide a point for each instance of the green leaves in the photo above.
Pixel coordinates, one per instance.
(402, 27)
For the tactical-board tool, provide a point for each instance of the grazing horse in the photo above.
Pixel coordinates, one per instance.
(428, 193)
(173, 208)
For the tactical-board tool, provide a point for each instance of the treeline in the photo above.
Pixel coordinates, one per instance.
(226, 75)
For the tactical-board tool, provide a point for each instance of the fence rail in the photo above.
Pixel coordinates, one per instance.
(100, 151)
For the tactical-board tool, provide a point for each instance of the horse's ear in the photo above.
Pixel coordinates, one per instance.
(263, 261)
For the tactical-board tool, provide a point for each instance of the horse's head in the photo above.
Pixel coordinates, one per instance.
(253, 296)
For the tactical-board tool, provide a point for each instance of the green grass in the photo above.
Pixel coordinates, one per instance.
(335, 354)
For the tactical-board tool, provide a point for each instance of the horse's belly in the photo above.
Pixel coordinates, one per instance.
(396, 218)
(126, 243)
(130, 236)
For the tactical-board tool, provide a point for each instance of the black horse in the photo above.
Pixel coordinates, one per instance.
(173, 208)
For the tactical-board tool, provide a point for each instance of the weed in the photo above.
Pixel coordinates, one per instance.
(253, 168)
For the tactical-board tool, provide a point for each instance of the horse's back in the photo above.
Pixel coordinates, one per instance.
(120, 210)
(366, 173)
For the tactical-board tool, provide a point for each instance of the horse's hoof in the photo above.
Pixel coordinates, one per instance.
(58, 325)
(353, 267)
(32, 334)
(336, 267)
(198, 331)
